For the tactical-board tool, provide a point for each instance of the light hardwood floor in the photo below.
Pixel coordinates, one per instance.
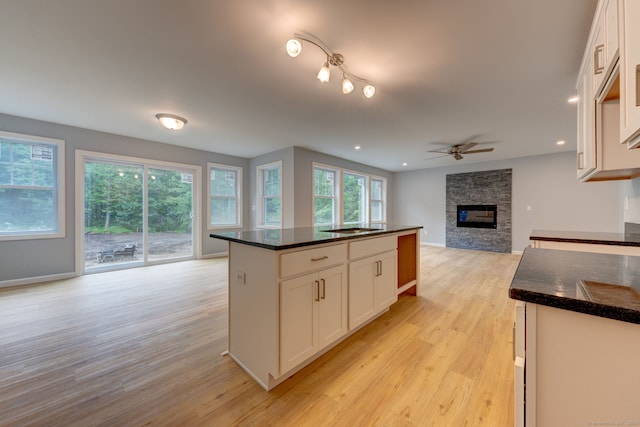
(142, 347)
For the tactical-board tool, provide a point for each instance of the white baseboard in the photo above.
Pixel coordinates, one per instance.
(215, 255)
(517, 252)
(38, 279)
(438, 245)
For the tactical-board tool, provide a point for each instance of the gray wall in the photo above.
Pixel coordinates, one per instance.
(630, 203)
(546, 183)
(20, 259)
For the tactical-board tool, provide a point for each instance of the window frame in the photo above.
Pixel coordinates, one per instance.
(57, 189)
(260, 197)
(383, 200)
(337, 190)
(238, 197)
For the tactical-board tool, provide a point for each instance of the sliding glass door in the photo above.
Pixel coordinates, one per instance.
(170, 214)
(136, 214)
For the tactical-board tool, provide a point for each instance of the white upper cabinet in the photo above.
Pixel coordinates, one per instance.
(607, 110)
(605, 44)
(630, 72)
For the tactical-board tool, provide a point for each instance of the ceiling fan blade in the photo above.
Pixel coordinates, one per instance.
(482, 150)
(438, 151)
(463, 148)
(457, 156)
(437, 157)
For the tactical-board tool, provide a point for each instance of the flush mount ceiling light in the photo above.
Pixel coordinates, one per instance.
(171, 121)
(294, 47)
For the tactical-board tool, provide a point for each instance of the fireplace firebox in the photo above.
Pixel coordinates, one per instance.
(477, 216)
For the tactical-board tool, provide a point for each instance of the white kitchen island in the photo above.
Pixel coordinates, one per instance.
(296, 293)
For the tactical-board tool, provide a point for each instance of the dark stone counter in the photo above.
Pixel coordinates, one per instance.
(589, 237)
(598, 284)
(287, 238)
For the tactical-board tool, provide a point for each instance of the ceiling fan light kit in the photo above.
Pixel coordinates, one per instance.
(294, 47)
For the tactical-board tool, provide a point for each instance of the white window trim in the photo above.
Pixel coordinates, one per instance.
(60, 187)
(384, 198)
(338, 191)
(239, 172)
(260, 194)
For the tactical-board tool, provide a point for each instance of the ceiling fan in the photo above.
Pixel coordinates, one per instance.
(457, 150)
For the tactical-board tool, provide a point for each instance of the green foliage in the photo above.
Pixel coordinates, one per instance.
(354, 198)
(114, 199)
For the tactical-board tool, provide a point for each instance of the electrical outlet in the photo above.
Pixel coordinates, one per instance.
(424, 231)
(241, 277)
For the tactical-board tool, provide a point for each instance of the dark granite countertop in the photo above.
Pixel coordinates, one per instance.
(598, 284)
(287, 238)
(589, 237)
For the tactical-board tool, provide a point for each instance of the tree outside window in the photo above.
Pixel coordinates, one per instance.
(324, 196)
(355, 198)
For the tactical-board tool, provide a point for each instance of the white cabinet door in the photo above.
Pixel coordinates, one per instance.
(385, 281)
(630, 72)
(332, 308)
(372, 286)
(298, 339)
(313, 314)
(586, 109)
(361, 299)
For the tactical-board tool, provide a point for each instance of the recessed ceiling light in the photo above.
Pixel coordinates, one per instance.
(357, 147)
(573, 99)
(404, 163)
(561, 142)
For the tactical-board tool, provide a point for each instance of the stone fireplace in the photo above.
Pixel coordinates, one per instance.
(479, 210)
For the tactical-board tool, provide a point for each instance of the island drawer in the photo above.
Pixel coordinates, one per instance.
(366, 247)
(297, 262)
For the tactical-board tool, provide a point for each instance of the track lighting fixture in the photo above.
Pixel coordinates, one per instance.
(294, 47)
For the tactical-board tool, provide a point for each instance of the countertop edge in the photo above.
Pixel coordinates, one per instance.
(595, 238)
(571, 304)
(331, 239)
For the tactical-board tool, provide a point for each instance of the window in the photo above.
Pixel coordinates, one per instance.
(325, 195)
(355, 198)
(378, 198)
(347, 197)
(225, 196)
(31, 187)
(270, 194)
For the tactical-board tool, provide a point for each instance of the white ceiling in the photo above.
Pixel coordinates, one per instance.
(445, 70)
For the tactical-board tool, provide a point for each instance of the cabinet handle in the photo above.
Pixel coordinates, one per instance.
(380, 271)
(317, 291)
(320, 258)
(324, 288)
(580, 160)
(598, 68)
(638, 85)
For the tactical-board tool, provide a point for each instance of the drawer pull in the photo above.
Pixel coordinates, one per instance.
(320, 258)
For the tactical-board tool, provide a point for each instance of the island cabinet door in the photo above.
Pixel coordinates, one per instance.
(332, 307)
(361, 299)
(298, 338)
(386, 280)
(313, 314)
